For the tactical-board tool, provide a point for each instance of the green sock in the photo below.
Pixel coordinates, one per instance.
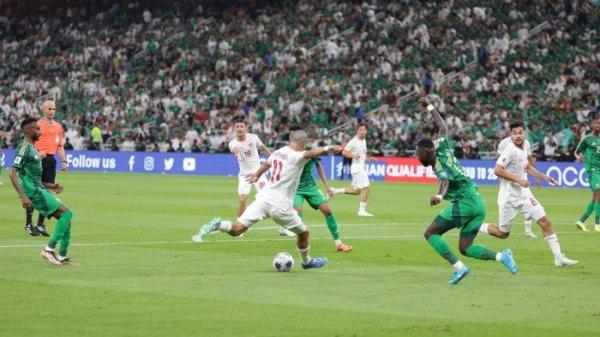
(62, 226)
(480, 252)
(64, 242)
(597, 212)
(589, 209)
(332, 226)
(441, 247)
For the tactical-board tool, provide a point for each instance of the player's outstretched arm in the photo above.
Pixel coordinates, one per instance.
(539, 175)
(17, 185)
(253, 177)
(436, 199)
(319, 151)
(321, 172)
(437, 118)
(503, 173)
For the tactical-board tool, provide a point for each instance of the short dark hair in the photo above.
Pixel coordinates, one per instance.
(295, 128)
(517, 124)
(27, 121)
(426, 143)
(239, 119)
(360, 125)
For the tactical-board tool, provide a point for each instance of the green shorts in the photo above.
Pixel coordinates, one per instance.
(467, 214)
(44, 202)
(313, 195)
(594, 180)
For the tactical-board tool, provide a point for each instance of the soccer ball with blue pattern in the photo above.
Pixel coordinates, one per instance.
(283, 261)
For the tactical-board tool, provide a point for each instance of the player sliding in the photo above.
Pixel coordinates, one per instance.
(275, 200)
(527, 222)
(515, 196)
(309, 191)
(245, 147)
(26, 177)
(467, 208)
(357, 150)
(588, 150)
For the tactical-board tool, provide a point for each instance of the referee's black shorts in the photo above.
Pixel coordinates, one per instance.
(49, 169)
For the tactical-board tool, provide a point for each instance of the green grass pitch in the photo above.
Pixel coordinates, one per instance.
(140, 274)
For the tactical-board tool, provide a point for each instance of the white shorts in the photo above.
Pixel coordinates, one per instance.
(260, 209)
(360, 179)
(245, 187)
(508, 210)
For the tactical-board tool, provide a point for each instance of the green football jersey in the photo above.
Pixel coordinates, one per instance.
(29, 163)
(306, 178)
(590, 147)
(448, 168)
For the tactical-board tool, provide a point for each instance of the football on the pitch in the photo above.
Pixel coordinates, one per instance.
(283, 261)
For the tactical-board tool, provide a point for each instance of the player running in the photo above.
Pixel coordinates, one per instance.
(276, 199)
(467, 209)
(357, 150)
(245, 147)
(588, 150)
(309, 191)
(527, 222)
(515, 196)
(26, 177)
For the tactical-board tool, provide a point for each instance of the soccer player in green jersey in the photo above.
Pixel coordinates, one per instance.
(309, 191)
(467, 209)
(588, 150)
(26, 177)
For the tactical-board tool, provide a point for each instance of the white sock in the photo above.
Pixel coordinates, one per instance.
(48, 249)
(304, 254)
(61, 258)
(498, 257)
(458, 265)
(554, 245)
(527, 224)
(225, 226)
(338, 190)
(338, 242)
(362, 206)
(484, 228)
(579, 222)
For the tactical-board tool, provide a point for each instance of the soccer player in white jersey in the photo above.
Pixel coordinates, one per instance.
(245, 147)
(276, 199)
(503, 144)
(357, 150)
(515, 196)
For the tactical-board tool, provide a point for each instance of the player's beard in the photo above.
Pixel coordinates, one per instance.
(35, 137)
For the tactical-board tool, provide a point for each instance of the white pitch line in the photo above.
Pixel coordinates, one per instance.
(242, 240)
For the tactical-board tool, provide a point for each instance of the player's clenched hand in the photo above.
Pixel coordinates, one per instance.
(26, 203)
(436, 199)
(524, 183)
(56, 188)
(335, 148)
(42, 155)
(579, 157)
(251, 178)
(423, 101)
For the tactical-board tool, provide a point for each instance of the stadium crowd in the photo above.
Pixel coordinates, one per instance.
(131, 78)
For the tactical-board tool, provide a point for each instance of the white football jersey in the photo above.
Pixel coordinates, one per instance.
(246, 152)
(286, 168)
(514, 160)
(504, 143)
(357, 147)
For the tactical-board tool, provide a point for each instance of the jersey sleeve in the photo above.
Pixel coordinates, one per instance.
(441, 173)
(583, 145)
(504, 158)
(232, 148)
(259, 143)
(441, 144)
(20, 156)
(528, 147)
(351, 146)
(271, 158)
